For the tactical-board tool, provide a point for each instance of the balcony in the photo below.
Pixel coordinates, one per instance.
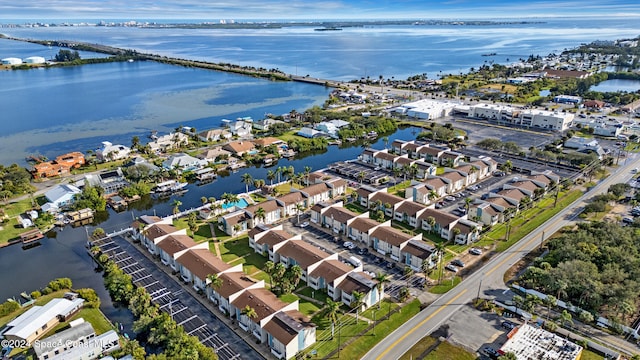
(277, 353)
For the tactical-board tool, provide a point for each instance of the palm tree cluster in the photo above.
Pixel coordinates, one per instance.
(283, 280)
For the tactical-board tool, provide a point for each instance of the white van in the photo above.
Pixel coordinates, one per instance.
(355, 261)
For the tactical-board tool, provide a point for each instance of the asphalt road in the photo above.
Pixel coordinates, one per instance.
(489, 278)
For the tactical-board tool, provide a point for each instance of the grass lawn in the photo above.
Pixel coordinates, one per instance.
(220, 235)
(307, 307)
(446, 351)
(419, 348)
(288, 298)
(317, 295)
(232, 249)
(94, 316)
(11, 229)
(527, 221)
(356, 208)
(361, 345)
(386, 307)
(590, 355)
(445, 285)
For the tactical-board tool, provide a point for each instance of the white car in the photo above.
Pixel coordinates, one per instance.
(475, 251)
(304, 224)
(451, 268)
(349, 245)
(450, 198)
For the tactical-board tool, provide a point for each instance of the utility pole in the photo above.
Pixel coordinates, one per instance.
(479, 286)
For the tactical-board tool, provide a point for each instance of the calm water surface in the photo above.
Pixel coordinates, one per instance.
(615, 85)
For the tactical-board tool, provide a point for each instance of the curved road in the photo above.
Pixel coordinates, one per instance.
(490, 276)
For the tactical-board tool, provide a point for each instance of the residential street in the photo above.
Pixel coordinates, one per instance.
(488, 280)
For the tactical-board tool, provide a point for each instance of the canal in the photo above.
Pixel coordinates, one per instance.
(63, 253)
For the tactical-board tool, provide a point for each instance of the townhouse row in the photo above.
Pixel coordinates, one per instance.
(279, 325)
(322, 188)
(320, 270)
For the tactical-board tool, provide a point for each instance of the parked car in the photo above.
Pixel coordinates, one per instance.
(349, 245)
(627, 220)
(493, 353)
(458, 262)
(362, 251)
(451, 268)
(509, 325)
(499, 173)
(450, 198)
(304, 224)
(475, 251)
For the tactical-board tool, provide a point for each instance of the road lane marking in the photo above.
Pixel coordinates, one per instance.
(395, 343)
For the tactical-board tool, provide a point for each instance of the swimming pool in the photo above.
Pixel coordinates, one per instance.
(240, 204)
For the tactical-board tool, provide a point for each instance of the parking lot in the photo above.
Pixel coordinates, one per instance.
(353, 170)
(372, 263)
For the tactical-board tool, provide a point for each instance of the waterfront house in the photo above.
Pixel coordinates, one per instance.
(443, 222)
(265, 124)
(214, 155)
(111, 181)
(358, 282)
(241, 127)
(215, 135)
(38, 320)
(309, 133)
(288, 333)
(388, 241)
(384, 160)
(239, 148)
(195, 265)
(183, 162)
(168, 142)
(417, 254)
(111, 152)
(62, 195)
(154, 233)
(62, 165)
(234, 223)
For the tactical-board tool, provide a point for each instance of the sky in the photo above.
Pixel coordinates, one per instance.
(214, 10)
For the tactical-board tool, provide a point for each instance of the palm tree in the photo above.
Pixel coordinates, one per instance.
(299, 210)
(247, 180)
(259, 183)
(250, 313)
(467, 204)
(385, 139)
(425, 266)
(381, 279)
(530, 302)
(212, 199)
(271, 175)
(550, 301)
(260, 214)
(361, 176)
(432, 195)
(333, 309)
(357, 300)
(307, 170)
(279, 270)
(176, 206)
(440, 248)
(203, 200)
(456, 231)
(294, 274)
(517, 302)
(432, 223)
(269, 268)
(627, 308)
(565, 317)
(507, 166)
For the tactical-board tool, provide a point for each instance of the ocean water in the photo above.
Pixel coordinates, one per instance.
(64, 109)
(354, 52)
(52, 111)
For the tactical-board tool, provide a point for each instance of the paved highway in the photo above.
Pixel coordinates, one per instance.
(490, 276)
